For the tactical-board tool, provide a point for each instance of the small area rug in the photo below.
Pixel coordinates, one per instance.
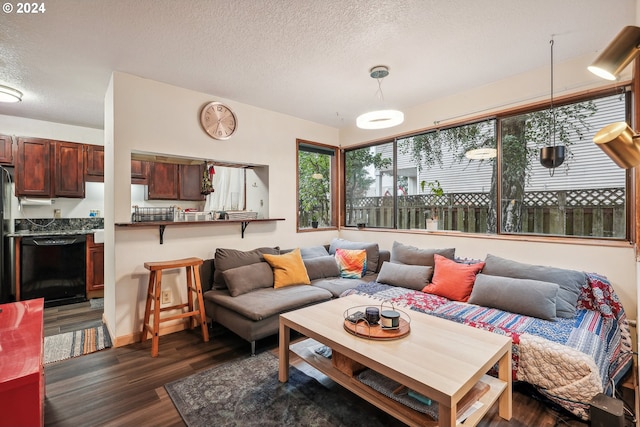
(248, 393)
(76, 343)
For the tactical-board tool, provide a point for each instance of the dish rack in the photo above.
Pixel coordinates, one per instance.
(152, 214)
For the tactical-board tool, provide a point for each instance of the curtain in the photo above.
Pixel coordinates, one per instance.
(228, 184)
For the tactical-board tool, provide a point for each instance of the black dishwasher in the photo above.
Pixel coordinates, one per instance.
(53, 268)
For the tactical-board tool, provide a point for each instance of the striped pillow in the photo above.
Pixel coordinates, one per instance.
(352, 262)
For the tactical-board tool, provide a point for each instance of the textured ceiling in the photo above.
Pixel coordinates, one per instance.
(309, 59)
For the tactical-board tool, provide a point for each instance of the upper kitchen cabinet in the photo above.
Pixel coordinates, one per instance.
(170, 181)
(6, 150)
(94, 163)
(139, 172)
(163, 181)
(33, 168)
(190, 179)
(47, 168)
(68, 168)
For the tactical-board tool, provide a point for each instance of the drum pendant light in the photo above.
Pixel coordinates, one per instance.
(384, 118)
(553, 155)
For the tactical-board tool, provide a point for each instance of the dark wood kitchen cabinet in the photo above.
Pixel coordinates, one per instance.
(163, 181)
(6, 150)
(46, 168)
(190, 180)
(139, 172)
(68, 175)
(33, 168)
(95, 265)
(94, 163)
(169, 181)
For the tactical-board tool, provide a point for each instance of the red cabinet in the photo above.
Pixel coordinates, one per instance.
(21, 363)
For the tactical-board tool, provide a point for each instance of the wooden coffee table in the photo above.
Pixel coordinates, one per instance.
(440, 359)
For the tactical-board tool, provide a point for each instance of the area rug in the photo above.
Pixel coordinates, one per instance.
(76, 343)
(248, 393)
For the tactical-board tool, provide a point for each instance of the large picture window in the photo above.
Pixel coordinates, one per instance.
(486, 176)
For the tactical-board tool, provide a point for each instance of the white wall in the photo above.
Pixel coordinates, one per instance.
(617, 263)
(149, 116)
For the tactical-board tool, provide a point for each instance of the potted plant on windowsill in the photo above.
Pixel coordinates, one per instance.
(314, 220)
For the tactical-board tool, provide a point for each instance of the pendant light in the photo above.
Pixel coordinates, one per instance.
(553, 155)
(8, 94)
(380, 119)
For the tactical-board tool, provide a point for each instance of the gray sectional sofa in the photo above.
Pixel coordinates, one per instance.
(242, 296)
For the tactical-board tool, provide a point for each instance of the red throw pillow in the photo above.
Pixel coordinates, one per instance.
(453, 280)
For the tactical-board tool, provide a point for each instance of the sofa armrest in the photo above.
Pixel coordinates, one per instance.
(384, 255)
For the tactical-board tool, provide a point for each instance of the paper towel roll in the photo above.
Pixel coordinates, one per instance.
(27, 201)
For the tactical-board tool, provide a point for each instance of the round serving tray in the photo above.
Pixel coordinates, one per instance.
(376, 332)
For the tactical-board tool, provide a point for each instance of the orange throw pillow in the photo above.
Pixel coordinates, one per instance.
(453, 280)
(288, 269)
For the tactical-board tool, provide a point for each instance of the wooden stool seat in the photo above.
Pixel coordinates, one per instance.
(154, 292)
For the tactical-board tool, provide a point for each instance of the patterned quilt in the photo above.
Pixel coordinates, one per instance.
(567, 360)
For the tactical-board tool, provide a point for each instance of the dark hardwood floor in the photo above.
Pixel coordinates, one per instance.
(124, 386)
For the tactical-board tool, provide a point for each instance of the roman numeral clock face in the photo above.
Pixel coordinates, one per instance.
(218, 120)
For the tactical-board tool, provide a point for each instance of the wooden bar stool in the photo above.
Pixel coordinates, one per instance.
(154, 292)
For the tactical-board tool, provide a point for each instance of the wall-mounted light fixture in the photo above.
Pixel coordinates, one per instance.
(384, 118)
(620, 52)
(618, 140)
(8, 94)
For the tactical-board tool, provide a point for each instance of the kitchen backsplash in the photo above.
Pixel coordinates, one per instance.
(40, 224)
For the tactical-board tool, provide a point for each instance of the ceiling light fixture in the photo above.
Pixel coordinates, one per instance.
(481, 153)
(620, 52)
(8, 94)
(618, 140)
(380, 119)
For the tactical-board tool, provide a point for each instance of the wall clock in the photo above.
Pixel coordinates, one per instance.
(218, 120)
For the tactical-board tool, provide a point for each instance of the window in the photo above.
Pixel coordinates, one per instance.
(369, 186)
(316, 185)
(431, 180)
(584, 196)
(447, 190)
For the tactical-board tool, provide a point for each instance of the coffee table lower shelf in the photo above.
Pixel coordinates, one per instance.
(304, 350)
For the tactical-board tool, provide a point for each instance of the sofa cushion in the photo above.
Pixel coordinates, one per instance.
(569, 281)
(453, 280)
(406, 254)
(407, 276)
(337, 285)
(247, 278)
(288, 269)
(313, 252)
(351, 262)
(321, 267)
(522, 296)
(266, 302)
(232, 258)
(373, 251)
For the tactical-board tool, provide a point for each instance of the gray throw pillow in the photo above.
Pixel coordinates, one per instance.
(373, 251)
(313, 252)
(321, 267)
(407, 276)
(247, 278)
(570, 281)
(232, 258)
(522, 296)
(406, 254)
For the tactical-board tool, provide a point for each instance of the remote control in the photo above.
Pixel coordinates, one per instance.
(356, 317)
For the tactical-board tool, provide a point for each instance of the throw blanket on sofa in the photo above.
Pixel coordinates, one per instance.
(567, 360)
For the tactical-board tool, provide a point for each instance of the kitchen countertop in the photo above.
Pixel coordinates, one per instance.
(30, 233)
